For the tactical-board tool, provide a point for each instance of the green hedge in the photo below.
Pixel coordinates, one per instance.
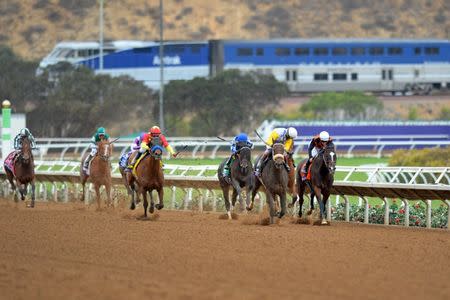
(429, 157)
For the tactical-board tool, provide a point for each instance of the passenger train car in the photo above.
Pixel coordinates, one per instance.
(306, 65)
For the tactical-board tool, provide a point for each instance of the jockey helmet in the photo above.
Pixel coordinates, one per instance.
(24, 132)
(292, 132)
(101, 131)
(242, 137)
(155, 130)
(324, 136)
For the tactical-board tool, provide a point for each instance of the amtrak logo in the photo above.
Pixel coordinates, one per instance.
(168, 60)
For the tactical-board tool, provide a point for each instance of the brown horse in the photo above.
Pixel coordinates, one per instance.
(23, 175)
(100, 172)
(275, 179)
(322, 178)
(149, 176)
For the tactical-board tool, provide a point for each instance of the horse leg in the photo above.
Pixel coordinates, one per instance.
(160, 205)
(247, 197)
(97, 195)
(83, 184)
(272, 211)
(226, 198)
(283, 205)
(234, 196)
(318, 193)
(33, 188)
(108, 195)
(325, 196)
(152, 203)
(133, 194)
(144, 196)
(254, 192)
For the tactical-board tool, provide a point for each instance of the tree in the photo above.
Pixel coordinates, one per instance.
(342, 106)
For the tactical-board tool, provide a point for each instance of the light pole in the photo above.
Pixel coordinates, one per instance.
(6, 128)
(100, 63)
(161, 66)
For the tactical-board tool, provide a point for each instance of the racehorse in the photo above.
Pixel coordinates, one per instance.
(100, 172)
(149, 176)
(22, 171)
(322, 178)
(241, 173)
(291, 175)
(275, 179)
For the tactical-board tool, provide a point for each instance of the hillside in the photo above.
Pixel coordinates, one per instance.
(32, 27)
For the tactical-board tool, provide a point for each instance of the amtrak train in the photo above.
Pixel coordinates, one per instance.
(306, 65)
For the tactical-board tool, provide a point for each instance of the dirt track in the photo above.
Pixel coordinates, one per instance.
(65, 251)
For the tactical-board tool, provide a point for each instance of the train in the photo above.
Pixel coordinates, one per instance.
(405, 66)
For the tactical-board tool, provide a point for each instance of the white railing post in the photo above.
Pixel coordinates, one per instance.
(366, 210)
(347, 209)
(428, 203)
(448, 213)
(406, 205)
(386, 211)
(174, 197)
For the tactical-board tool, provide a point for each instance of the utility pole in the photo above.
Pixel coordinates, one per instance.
(100, 65)
(161, 66)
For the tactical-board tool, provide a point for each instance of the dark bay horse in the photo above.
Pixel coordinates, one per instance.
(275, 179)
(322, 178)
(149, 176)
(241, 176)
(23, 175)
(100, 172)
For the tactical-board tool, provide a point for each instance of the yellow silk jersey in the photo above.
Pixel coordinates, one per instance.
(278, 135)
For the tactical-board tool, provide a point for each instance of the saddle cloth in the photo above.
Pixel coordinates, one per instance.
(9, 161)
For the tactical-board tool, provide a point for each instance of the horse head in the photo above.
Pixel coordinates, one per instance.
(156, 152)
(278, 154)
(26, 154)
(329, 158)
(244, 157)
(104, 150)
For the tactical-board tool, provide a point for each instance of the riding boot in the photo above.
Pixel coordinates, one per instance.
(86, 162)
(260, 165)
(135, 159)
(305, 169)
(226, 169)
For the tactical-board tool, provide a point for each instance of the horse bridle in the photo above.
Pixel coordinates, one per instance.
(332, 153)
(239, 157)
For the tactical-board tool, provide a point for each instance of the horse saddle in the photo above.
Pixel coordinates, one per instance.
(10, 160)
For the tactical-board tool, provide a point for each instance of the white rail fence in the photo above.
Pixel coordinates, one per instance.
(198, 186)
(211, 147)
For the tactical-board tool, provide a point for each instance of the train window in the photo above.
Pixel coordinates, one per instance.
(416, 73)
(354, 76)
(358, 51)
(417, 51)
(339, 76)
(294, 75)
(376, 51)
(301, 51)
(259, 51)
(175, 49)
(431, 50)
(244, 51)
(390, 74)
(339, 51)
(320, 76)
(195, 48)
(320, 51)
(383, 74)
(395, 51)
(143, 50)
(283, 51)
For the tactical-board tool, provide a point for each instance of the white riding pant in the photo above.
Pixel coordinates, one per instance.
(314, 152)
(94, 149)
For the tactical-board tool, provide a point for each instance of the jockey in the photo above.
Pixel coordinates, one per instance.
(239, 141)
(152, 138)
(317, 143)
(135, 145)
(100, 135)
(24, 132)
(285, 136)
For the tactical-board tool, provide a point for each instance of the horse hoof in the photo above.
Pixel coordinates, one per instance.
(309, 212)
(159, 206)
(324, 222)
(152, 209)
(132, 206)
(30, 205)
